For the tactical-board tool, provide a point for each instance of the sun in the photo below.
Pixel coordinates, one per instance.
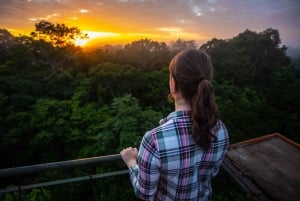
(81, 42)
(92, 35)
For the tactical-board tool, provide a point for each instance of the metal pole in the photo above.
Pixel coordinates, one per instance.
(55, 165)
(62, 181)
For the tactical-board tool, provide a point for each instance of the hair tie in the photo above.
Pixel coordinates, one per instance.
(201, 79)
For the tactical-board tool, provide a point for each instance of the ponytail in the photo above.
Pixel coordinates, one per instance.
(192, 72)
(204, 114)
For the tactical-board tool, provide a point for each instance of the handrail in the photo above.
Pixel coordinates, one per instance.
(245, 184)
(61, 181)
(8, 172)
(55, 165)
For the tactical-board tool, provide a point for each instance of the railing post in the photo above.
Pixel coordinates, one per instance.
(20, 194)
(42, 192)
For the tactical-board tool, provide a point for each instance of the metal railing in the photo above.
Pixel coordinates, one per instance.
(32, 169)
(39, 168)
(232, 171)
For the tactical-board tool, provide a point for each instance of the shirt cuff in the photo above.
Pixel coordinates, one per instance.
(133, 169)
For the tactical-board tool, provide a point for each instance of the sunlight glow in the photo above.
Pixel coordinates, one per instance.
(84, 11)
(94, 35)
(171, 29)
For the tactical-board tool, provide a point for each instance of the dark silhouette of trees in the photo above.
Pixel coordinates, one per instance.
(6, 41)
(6, 38)
(146, 54)
(180, 44)
(58, 34)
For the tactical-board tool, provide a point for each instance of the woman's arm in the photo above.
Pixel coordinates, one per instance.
(144, 176)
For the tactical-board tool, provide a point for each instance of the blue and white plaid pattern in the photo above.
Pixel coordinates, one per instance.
(171, 167)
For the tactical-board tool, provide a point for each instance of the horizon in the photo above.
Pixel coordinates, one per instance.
(123, 21)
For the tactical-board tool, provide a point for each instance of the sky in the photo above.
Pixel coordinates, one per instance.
(123, 21)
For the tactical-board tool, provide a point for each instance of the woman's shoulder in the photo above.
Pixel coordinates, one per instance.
(221, 131)
(162, 132)
(161, 128)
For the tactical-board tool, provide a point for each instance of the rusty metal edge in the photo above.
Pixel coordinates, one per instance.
(264, 138)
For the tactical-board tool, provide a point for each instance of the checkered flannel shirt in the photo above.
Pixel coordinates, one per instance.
(171, 167)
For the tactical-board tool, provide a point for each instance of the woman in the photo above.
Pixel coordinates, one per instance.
(178, 159)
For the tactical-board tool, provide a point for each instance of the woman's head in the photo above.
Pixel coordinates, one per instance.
(188, 68)
(192, 73)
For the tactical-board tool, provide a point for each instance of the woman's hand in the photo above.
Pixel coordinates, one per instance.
(129, 156)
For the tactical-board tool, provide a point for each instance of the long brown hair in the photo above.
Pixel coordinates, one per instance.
(192, 72)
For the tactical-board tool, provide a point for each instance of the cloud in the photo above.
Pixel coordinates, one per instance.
(212, 18)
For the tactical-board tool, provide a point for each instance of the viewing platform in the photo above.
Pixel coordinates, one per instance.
(263, 169)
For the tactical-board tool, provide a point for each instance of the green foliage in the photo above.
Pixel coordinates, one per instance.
(244, 107)
(39, 194)
(113, 80)
(59, 103)
(283, 97)
(125, 125)
(248, 58)
(146, 54)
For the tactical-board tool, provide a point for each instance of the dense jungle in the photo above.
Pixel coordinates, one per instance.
(59, 102)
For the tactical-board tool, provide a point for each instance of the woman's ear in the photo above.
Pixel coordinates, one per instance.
(172, 85)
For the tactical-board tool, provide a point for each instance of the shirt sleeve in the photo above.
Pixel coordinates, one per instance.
(144, 176)
(221, 149)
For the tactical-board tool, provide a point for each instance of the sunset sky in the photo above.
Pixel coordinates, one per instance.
(121, 21)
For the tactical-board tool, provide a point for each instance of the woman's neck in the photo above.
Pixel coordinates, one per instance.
(181, 104)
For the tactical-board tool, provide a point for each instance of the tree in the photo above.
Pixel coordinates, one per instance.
(146, 54)
(244, 111)
(125, 124)
(283, 96)
(6, 38)
(248, 58)
(6, 41)
(58, 34)
(181, 44)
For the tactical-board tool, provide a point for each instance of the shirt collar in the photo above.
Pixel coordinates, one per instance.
(176, 115)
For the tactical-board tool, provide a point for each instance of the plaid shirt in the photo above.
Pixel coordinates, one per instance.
(171, 167)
